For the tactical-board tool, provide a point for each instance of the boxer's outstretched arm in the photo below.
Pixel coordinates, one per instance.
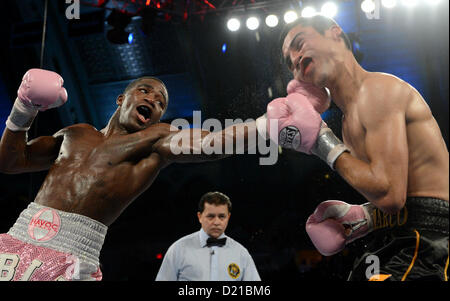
(17, 155)
(383, 178)
(197, 145)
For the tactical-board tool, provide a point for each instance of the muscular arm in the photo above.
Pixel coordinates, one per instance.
(39, 90)
(197, 145)
(17, 155)
(150, 150)
(382, 178)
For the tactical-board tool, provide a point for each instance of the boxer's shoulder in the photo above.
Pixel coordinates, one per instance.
(167, 127)
(163, 130)
(383, 93)
(382, 85)
(80, 130)
(383, 76)
(78, 127)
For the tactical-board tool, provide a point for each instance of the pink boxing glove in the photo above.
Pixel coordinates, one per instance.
(40, 90)
(298, 122)
(318, 97)
(335, 224)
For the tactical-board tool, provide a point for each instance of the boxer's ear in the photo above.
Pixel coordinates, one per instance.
(336, 32)
(119, 99)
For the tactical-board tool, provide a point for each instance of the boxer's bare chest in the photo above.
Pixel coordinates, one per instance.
(84, 148)
(353, 135)
(93, 175)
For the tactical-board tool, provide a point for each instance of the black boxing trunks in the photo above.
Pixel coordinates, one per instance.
(410, 245)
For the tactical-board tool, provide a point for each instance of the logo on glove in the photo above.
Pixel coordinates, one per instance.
(290, 137)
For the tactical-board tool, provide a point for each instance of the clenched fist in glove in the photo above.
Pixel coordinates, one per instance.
(40, 90)
(318, 97)
(335, 224)
(300, 126)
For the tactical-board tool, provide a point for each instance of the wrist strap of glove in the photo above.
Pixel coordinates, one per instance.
(21, 117)
(368, 209)
(328, 147)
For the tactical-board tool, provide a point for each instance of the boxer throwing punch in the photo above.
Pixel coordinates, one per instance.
(93, 175)
(392, 153)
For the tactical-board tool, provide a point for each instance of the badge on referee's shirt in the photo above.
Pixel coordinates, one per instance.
(233, 270)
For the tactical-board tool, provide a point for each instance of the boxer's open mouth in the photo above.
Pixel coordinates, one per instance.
(144, 113)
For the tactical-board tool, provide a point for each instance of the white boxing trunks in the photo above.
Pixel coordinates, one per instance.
(46, 244)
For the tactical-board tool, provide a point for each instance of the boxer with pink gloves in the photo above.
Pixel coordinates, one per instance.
(300, 127)
(93, 175)
(393, 154)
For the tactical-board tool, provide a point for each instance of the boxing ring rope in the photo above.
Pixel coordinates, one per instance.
(44, 30)
(41, 66)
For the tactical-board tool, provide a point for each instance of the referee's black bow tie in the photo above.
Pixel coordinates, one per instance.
(215, 242)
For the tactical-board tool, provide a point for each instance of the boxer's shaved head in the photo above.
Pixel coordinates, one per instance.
(138, 80)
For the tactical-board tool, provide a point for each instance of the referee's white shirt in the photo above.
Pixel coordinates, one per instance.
(189, 259)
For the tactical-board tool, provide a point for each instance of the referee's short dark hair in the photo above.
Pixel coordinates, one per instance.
(214, 198)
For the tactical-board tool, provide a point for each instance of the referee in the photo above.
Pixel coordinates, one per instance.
(208, 254)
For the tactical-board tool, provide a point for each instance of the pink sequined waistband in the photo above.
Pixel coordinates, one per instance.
(63, 231)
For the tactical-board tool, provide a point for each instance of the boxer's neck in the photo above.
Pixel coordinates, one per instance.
(347, 81)
(113, 127)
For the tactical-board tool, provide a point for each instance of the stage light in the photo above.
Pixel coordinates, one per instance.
(233, 24)
(252, 23)
(410, 3)
(368, 6)
(224, 47)
(329, 9)
(271, 20)
(389, 3)
(290, 16)
(118, 21)
(130, 38)
(308, 12)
